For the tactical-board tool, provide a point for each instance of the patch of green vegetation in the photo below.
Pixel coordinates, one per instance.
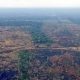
(40, 38)
(24, 58)
(37, 35)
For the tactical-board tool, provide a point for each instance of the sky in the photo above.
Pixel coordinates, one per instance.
(39, 3)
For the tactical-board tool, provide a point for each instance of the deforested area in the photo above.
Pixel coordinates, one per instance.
(40, 44)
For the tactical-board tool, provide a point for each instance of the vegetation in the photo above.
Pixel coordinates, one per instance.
(48, 65)
(59, 61)
(24, 58)
(37, 35)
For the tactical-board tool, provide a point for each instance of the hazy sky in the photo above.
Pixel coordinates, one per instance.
(39, 3)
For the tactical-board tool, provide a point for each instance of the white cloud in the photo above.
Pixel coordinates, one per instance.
(39, 3)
